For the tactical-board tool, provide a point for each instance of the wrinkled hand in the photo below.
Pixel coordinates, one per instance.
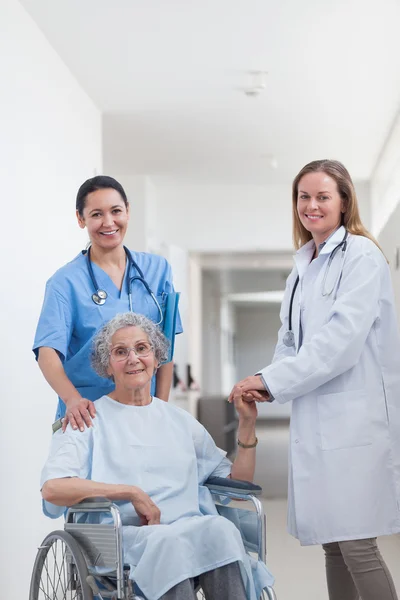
(246, 407)
(147, 511)
(79, 413)
(250, 389)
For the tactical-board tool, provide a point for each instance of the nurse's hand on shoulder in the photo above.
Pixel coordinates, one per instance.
(250, 389)
(79, 412)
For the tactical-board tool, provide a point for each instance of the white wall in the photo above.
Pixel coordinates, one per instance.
(211, 378)
(385, 182)
(222, 218)
(142, 195)
(389, 239)
(228, 335)
(50, 142)
(256, 335)
(194, 329)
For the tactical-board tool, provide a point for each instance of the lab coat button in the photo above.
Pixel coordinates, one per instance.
(296, 441)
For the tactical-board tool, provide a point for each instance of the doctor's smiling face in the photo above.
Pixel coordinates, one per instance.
(319, 205)
(106, 216)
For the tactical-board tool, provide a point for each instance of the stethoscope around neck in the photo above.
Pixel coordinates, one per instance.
(100, 296)
(288, 338)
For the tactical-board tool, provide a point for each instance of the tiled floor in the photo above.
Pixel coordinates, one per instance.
(299, 571)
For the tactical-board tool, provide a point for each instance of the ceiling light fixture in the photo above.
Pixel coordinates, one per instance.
(271, 297)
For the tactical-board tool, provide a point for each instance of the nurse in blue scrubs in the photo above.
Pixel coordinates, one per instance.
(70, 317)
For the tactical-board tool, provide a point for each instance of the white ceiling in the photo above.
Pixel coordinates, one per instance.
(168, 75)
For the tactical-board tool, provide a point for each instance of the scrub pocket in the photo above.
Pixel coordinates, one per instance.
(344, 420)
(152, 310)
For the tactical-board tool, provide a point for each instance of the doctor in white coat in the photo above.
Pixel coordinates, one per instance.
(338, 361)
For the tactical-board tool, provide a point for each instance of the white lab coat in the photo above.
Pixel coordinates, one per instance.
(343, 378)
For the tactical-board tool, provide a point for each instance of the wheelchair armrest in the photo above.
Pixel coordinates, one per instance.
(89, 504)
(223, 485)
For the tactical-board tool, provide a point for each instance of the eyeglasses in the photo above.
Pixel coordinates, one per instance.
(120, 353)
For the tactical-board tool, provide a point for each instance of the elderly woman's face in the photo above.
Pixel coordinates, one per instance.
(132, 361)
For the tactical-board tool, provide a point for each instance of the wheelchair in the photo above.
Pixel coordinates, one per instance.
(85, 561)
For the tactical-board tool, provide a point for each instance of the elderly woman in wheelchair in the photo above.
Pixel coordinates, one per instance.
(149, 462)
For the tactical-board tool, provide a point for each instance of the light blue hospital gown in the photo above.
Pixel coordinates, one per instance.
(163, 450)
(69, 318)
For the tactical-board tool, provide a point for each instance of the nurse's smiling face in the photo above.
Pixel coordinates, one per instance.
(134, 372)
(106, 217)
(319, 205)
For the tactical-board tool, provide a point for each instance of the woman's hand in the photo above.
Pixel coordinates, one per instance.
(258, 396)
(245, 461)
(147, 511)
(246, 407)
(250, 389)
(79, 413)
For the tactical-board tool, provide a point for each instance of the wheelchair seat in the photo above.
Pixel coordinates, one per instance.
(85, 561)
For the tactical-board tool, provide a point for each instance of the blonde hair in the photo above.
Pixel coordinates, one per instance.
(351, 219)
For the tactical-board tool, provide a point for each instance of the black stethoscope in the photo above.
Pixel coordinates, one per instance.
(100, 296)
(288, 338)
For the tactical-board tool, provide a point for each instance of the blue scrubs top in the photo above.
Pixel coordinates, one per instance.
(70, 319)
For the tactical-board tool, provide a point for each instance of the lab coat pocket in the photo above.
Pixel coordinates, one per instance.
(343, 420)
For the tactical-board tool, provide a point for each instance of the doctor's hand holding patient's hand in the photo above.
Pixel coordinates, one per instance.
(250, 389)
(246, 408)
(79, 412)
(244, 465)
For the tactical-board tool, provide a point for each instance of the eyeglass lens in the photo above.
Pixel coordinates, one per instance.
(122, 352)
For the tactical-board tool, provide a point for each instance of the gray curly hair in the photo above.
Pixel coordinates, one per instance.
(100, 357)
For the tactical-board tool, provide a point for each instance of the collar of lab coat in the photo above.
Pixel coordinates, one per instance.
(304, 255)
(333, 240)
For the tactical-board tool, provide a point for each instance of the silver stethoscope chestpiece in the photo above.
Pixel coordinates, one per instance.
(288, 339)
(99, 297)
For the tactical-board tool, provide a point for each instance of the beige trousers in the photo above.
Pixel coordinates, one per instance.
(356, 570)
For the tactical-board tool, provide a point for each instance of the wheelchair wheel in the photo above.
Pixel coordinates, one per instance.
(60, 570)
(268, 594)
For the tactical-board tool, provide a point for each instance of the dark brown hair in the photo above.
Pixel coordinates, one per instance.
(100, 182)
